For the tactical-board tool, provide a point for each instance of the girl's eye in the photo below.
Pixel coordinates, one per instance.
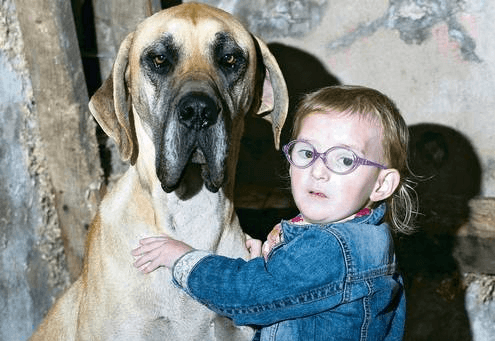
(306, 154)
(347, 161)
(341, 159)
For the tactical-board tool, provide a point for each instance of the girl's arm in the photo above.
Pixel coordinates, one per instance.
(301, 278)
(154, 252)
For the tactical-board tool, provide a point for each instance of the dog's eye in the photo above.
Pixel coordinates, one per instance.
(229, 60)
(159, 60)
(161, 63)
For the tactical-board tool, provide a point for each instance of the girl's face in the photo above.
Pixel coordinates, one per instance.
(323, 196)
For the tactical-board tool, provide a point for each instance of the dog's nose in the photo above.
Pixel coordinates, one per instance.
(198, 111)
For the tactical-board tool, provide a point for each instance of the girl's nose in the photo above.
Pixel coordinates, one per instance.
(319, 171)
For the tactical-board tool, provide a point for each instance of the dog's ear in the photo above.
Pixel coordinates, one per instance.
(275, 100)
(111, 105)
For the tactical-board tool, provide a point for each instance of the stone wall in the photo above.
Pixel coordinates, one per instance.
(50, 170)
(434, 58)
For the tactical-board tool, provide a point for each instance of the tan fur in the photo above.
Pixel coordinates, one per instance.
(111, 300)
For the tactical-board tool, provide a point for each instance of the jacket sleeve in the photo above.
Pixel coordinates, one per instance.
(301, 278)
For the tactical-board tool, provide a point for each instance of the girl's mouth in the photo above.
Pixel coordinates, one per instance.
(317, 194)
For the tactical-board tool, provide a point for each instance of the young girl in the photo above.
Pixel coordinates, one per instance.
(331, 272)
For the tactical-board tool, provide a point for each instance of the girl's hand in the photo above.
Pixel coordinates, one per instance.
(158, 251)
(253, 246)
(273, 238)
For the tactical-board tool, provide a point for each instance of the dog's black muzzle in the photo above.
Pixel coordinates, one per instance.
(196, 132)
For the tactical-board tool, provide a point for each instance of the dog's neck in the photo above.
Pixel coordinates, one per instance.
(200, 220)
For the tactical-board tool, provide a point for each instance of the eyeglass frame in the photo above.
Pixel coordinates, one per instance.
(359, 161)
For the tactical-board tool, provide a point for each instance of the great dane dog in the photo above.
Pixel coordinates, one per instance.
(175, 103)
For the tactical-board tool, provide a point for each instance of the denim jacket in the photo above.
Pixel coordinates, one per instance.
(323, 282)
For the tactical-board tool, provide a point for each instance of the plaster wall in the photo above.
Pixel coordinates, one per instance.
(435, 59)
(50, 170)
(33, 267)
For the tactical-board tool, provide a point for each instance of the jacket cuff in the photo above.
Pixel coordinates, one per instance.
(184, 266)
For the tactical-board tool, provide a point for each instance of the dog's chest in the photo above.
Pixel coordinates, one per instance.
(174, 313)
(200, 220)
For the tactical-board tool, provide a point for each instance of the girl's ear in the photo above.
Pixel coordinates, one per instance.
(385, 185)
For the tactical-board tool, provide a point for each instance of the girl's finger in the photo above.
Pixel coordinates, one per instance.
(274, 235)
(141, 264)
(142, 267)
(145, 248)
(254, 247)
(149, 240)
(141, 261)
(146, 258)
(265, 249)
(152, 266)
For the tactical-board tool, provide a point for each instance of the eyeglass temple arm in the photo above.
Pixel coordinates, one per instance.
(371, 163)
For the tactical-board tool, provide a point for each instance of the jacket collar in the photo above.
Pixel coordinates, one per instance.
(374, 218)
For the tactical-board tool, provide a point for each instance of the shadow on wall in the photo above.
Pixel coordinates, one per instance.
(303, 73)
(451, 176)
(263, 170)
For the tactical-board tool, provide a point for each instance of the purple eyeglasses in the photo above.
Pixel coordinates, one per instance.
(340, 160)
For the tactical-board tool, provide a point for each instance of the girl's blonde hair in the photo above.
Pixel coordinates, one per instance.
(374, 106)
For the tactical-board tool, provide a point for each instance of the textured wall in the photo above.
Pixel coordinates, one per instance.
(66, 127)
(435, 58)
(49, 168)
(32, 260)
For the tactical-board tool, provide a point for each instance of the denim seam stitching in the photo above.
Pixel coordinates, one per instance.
(367, 313)
(349, 267)
(310, 296)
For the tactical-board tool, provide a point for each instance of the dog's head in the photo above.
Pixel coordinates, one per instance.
(189, 74)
